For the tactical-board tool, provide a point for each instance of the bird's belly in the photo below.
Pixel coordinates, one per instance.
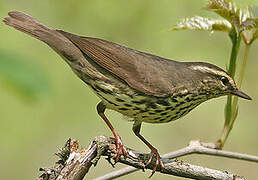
(142, 107)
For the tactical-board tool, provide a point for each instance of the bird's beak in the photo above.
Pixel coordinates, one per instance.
(241, 94)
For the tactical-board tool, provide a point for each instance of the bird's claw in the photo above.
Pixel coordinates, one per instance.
(158, 162)
(120, 149)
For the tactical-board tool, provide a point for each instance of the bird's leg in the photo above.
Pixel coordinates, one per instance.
(120, 149)
(154, 151)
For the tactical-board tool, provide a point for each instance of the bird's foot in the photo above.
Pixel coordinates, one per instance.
(120, 148)
(154, 154)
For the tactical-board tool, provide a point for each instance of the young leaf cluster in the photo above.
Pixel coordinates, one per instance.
(239, 23)
(234, 18)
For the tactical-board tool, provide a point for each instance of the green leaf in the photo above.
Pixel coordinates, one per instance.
(224, 8)
(255, 36)
(249, 24)
(21, 77)
(240, 18)
(249, 20)
(250, 32)
(203, 24)
(254, 14)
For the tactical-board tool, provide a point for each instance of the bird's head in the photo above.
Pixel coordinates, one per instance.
(216, 80)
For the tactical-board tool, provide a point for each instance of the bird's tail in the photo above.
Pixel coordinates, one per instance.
(53, 38)
(29, 25)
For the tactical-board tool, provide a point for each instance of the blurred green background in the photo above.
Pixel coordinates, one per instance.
(42, 103)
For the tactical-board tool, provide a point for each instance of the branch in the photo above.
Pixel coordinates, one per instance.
(74, 163)
(194, 147)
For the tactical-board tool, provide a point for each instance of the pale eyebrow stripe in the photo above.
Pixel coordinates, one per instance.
(207, 69)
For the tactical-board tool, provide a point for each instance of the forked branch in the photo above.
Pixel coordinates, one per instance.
(75, 163)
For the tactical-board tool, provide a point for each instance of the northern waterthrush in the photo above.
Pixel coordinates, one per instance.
(139, 85)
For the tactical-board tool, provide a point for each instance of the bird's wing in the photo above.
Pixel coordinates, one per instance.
(144, 72)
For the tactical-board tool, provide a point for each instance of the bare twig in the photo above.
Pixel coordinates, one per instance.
(194, 147)
(78, 162)
(73, 163)
(53, 172)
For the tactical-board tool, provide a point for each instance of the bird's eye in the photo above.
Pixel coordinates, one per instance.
(224, 80)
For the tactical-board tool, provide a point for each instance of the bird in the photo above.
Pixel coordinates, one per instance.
(139, 85)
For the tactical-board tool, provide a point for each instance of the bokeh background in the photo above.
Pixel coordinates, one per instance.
(42, 103)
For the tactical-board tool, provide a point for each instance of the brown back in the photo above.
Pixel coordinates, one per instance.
(144, 72)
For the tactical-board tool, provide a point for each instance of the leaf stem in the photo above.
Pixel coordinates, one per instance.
(239, 82)
(229, 116)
